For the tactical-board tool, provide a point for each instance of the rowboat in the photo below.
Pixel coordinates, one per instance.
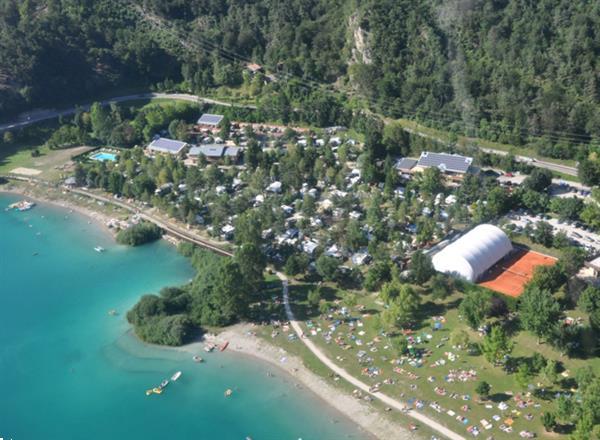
(223, 346)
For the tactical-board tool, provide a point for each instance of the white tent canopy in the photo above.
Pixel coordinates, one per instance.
(473, 253)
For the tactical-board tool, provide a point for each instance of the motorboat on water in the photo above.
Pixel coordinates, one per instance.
(99, 249)
(198, 359)
(22, 205)
(164, 383)
(176, 376)
(228, 392)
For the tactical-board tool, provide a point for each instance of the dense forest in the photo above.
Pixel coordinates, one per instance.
(504, 70)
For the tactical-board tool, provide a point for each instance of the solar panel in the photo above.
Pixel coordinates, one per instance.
(406, 164)
(210, 119)
(167, 145)
(445, 162)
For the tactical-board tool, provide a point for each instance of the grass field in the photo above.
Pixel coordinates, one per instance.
(343, 336)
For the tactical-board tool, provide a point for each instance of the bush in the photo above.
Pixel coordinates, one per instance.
(139, 234)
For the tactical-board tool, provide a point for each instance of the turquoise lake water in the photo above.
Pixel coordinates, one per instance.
(69, 370)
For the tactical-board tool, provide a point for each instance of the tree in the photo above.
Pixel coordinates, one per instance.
(378, 273)
(483, 389)
(225, 128)
(565, 408)
(296, 264)
(548, 277)
(390, 291)
(431, 181)
(539, 180)
(567, 208)
(252, 263)
(421, 267)
(498, 202)
(496, 345)
(402, 308)
(543, 233)
(327, 267)
(549, 421)
(538, 311)
(440, 286)
(101, 122)
(474, 307)
(550, 372)
(589, 300)
(314, 296)
(139, 234)
(572, 259)
(524, 375)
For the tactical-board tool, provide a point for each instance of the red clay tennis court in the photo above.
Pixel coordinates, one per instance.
(510, 274)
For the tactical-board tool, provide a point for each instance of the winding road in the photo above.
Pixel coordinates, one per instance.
(43, 115)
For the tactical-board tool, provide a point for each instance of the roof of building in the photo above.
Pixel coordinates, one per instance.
(406, 164)
(594, 264)
(453, 163)
(208, 150)
(165, 145)
(473, 253)
(232, 151)
(210, 119)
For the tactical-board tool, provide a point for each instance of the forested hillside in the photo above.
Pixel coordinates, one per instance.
(500, 69)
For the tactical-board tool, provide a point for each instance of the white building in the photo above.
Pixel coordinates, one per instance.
(474, 253)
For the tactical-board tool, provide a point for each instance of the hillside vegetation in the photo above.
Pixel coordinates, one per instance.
(510, 71)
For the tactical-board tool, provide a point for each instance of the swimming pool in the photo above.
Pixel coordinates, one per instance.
(102, 156)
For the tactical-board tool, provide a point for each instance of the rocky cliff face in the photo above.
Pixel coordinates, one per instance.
(361, 52)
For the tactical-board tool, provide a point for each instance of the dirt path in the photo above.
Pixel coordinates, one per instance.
(392, 403)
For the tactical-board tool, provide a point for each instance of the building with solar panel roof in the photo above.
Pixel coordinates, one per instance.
(453, 164)
(167, 146)
(208, 120)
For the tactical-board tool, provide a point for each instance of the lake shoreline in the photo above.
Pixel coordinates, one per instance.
(370, 420)
(242, 341)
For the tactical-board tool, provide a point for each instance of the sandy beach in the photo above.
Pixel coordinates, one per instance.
(54, 196)
(242, 341)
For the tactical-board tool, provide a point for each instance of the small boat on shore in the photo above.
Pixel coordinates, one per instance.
(22, 205)
(198, 359)
(176, 376)
(99, 249)
(223, 346)
(209, 347)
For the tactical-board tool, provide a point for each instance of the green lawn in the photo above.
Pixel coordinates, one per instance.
(342, 346)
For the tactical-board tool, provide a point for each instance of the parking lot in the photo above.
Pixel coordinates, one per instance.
(574, 231)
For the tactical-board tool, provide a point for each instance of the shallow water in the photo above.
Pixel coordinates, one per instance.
(69, 370)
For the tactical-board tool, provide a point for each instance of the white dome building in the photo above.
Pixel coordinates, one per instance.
(473, 253)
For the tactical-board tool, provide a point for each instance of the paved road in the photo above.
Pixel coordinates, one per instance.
(572, 171)
(392, 403)
(43, 115)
